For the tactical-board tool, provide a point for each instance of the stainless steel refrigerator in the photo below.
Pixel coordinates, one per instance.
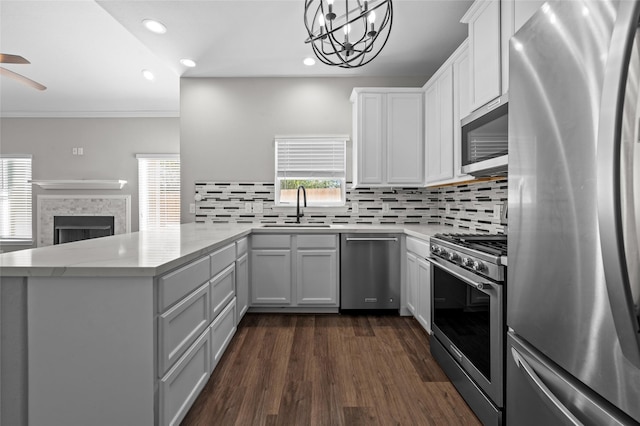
(573, 352)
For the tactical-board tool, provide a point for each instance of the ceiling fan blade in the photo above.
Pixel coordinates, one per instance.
(22, 79)
(7, 58)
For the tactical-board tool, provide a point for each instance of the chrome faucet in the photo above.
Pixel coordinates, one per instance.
(299, 214)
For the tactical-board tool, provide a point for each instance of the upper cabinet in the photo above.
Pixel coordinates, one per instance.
(387, 137)
(483, 18)
(447, 100)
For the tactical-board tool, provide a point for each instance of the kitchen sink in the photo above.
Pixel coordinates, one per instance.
(296, 225)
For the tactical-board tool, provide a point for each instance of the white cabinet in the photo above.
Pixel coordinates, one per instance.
(302, 272)
(439, 126)
(271, 277)
(242, 286)
(447, 100)
(423, 311)
(483, 18)
(222, 330)
(317, 277)
(418, 281)
(412, 283)
(387, 137)
(182, 384)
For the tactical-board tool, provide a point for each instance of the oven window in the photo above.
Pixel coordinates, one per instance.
(462, 313)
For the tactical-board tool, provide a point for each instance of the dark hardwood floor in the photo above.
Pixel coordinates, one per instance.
(329, 370)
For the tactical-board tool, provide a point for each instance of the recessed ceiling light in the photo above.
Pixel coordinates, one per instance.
(309, 61)
(188, 62)
(148, 75)
(154, 26)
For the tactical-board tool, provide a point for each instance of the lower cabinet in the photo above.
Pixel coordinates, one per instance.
(317, 277)
(242, 286)
(271, 277)
(294, 270)
(222, 330)
(182, 384)
(412, 282)
(423, 311)
(418, 281)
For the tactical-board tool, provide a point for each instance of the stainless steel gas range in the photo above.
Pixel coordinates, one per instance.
(468, 295)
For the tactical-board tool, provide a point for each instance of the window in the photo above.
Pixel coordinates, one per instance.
(15, 199)
(158, 190)
(318, 164)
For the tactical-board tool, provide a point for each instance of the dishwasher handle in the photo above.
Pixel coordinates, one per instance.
(371, 239)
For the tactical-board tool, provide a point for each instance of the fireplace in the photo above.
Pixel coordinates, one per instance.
(67, 229)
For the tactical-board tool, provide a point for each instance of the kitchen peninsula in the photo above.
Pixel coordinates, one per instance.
(127, 329)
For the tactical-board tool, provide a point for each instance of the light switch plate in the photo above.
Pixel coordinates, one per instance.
(385, 207)
(447, 208)
(258, 207)
(355, 209)
(192, 208)
(247, 207)
(497, 212)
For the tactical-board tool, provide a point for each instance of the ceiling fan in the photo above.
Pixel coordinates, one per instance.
(6, 58)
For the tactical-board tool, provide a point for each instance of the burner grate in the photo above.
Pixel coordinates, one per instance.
(495, 244)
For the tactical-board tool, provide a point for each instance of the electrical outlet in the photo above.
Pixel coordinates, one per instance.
(258, 207)
(80, 150)
(74, 151)
(385, 207)
(247, 207)
(447, 208)
(192, 208)
(355, 209)
(497, 211)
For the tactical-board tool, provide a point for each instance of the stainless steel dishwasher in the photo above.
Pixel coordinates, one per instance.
(370, 271)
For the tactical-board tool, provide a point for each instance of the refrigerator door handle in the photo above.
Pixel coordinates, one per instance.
(616, 93)
(544, 392)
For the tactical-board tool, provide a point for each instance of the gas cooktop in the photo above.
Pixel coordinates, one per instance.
(494, 244)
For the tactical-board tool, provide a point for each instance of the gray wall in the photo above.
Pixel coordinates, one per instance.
(110, 145)
(227, 125)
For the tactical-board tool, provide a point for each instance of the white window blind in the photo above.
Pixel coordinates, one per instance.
(317, 163)
(311, 158)
(15, 198)
(158, 190)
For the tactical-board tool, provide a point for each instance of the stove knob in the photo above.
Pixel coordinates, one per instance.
(466, 261)
(453, 256)
(477, 266)
(434, 248)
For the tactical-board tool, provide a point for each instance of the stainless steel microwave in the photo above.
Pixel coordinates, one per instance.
(485, 140)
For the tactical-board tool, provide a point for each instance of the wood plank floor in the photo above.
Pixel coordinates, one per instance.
(329, 370)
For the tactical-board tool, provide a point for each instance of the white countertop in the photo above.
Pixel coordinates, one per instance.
(150, 253)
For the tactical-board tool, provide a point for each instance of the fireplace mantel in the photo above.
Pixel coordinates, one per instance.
(80, 183)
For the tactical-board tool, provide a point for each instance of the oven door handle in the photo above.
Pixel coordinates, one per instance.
(477, 285)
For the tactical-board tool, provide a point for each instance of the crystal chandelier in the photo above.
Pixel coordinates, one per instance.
(348, 40)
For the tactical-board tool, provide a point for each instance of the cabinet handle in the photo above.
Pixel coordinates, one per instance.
(372, 239)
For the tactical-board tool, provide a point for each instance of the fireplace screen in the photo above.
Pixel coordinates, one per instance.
(75, 228)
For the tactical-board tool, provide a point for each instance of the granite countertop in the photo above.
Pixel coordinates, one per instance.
(150, 253)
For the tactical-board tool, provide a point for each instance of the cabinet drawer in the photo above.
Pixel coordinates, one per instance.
(222, 330)
(271, 241)
(317, 241)
(241, 247)
(222, 258)
(180, 326)
(177, 284)
(419, 247)
(181, 386)
(223, 289)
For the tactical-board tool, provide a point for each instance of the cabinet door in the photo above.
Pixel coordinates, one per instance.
(271, 277)
(242, 286)
(182, 384)
(461, 107)
(222, 330)
(424, 294)
(370, 142)
(484, 38)
(223, 289)
(412, 283)
(439, 141)
(317, 277)
(404, 139)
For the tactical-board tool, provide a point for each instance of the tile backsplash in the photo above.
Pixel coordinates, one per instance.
(469, 206)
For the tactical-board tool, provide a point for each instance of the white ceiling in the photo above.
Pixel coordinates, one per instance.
(90, 54)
